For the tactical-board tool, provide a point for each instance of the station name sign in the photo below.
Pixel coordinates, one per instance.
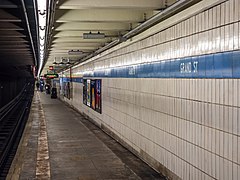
(51, 76)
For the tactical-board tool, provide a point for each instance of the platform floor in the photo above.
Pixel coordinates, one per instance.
(59, 143)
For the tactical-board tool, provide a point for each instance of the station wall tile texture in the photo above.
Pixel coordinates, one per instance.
(187, 121)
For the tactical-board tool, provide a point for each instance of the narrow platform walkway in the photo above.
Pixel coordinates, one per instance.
(75, 148)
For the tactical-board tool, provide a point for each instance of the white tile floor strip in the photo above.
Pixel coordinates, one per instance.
(43, 165)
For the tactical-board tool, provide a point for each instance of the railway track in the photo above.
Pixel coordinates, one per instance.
(13, 118)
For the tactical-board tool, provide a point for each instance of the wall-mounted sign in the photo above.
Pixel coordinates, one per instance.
(51, 68)
(51, 76)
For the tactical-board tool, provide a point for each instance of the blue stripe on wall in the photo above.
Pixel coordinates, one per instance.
(66, 79)
(74, 79)
(219, 65)
(56, 81)
(77, 79)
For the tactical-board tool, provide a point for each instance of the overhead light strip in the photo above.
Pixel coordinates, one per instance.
(42, 24)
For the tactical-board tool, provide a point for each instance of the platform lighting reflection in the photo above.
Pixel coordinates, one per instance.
(41, 4)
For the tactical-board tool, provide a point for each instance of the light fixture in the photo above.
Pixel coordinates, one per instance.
(42, 23)
(42, 33)
(42, 5)
(61, 63)
(41, 41)
(91, 35)
(68, 62)
(75, 52)
(54, 62)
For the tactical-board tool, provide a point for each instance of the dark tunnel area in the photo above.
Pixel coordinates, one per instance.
(10, 88)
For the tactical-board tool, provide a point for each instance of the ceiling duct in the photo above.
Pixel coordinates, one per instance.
(93, 35)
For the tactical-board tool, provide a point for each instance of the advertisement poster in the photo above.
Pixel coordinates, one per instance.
(85, 91)
(93, 94)
(98, 98)
(66, 89)
(89, 92)
(92, 89)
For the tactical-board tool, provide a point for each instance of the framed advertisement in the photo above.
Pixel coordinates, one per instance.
(89, 92)
(85, 91)
(93, 89)
(98, 98)
(92, 94)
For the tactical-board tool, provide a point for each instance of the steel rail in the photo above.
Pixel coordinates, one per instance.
(12, 125)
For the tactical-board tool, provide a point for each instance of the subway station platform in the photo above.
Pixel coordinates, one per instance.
(59, 143)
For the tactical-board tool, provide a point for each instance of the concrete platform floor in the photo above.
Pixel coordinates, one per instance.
(60, 144)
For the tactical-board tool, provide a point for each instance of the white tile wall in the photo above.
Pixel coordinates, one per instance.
(192, 126)
(205, 140)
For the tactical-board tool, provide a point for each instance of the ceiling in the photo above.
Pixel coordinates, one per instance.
(73, 18)
(69, 22)
(18, 41)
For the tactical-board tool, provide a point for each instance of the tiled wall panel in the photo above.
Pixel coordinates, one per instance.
(187, 121)
(203, 134)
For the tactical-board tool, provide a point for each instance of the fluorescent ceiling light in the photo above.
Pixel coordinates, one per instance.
(42, 4)
(93, 35)
(68, 62)
(42, 12)
(74, 52)
(42, 34)
(42, 41)
(42, 21)
(61, 63)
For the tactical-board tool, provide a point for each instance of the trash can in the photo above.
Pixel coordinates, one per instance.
(47, 88)
(54, 93)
